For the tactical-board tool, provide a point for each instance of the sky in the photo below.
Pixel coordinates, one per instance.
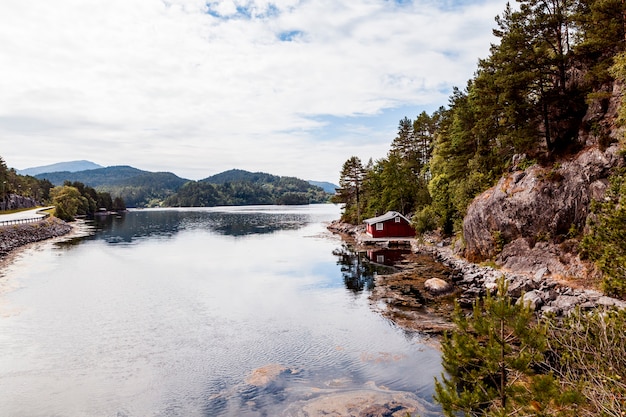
(288, 87)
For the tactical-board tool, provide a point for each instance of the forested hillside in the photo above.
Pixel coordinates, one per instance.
(69, 198)
(529, 99)
(136, 187)
(238, 187)
(525, 169)
(234, 187)
(540, 115)
(12, 183)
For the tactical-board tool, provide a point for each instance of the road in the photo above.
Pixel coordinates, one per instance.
(26, 214)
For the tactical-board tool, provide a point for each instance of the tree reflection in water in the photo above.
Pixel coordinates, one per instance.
(357, 270)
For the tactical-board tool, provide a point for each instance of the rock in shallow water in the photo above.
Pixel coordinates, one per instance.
(360, 403)
(268, 374)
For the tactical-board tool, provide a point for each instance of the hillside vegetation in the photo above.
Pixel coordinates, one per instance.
(234, 187)
(525, 169)
(548, 94)
(238, 187)
(136, 187)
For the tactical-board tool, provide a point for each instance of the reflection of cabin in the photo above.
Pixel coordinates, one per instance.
(390, 224)
(387, 256)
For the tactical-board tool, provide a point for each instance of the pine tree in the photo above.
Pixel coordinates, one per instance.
(491, 360)
(605, 242)
(350, 190)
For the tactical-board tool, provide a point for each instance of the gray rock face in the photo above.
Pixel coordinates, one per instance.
(538, 204)
(14, 201)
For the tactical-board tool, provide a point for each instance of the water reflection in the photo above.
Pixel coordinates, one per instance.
(389, 257)
(228, 221)
(357, 269)
(178, 319)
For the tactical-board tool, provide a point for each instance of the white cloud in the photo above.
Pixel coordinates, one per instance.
(197, 87)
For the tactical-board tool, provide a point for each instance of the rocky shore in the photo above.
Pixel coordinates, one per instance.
(407, 298)
(15, 236)
(544, 293)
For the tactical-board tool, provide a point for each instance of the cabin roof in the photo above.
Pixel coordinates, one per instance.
(390, 215)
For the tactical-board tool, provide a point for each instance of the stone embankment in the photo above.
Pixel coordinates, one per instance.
(544, 293)
(471, 281)
(14, 236)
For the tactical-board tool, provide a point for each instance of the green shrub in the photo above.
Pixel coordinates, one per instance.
(605, 242)
(425, 220)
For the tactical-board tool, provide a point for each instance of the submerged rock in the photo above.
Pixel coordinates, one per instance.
(360, 403)
(404, 299)
(268, 374)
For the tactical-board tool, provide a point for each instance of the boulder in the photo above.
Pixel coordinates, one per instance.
(566, 302)
(533, 298)
(437, 286)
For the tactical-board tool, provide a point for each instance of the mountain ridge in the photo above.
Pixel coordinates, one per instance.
(69, 166)
(140, 188)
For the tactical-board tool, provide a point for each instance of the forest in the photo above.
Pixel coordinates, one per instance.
(70, 199)
(238, 187)
(136, 187)
(527, 104)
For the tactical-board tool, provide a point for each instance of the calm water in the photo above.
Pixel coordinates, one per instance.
(171, 312)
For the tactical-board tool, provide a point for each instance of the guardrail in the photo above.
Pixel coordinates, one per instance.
(23, 221)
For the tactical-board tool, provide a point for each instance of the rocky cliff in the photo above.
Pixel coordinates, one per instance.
(530, 220)
(15, 201)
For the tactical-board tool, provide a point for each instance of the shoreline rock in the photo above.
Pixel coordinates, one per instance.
(469, 281)
(16, 236)
(545, 294)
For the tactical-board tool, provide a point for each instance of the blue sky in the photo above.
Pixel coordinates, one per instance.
(290, 87)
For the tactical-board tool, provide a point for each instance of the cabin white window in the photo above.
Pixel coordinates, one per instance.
(380, 226)
(397, 219)
(380, 259)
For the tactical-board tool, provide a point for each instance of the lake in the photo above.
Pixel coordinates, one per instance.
(236, 311)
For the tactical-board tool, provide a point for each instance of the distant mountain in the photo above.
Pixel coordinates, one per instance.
(93, 177)
(70, 166)
(239, 175)
(329, 187)
(238, 187)
(235, 175)
(230, 188)
(138, 188)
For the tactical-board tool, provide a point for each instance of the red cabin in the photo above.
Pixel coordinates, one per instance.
(389, 225)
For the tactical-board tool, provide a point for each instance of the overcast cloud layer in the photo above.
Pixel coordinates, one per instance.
(194, 87)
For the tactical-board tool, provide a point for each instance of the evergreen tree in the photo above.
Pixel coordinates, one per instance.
(350, 190)
(424, 129)
(492, 360)
(605, 243)
(599, 37)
